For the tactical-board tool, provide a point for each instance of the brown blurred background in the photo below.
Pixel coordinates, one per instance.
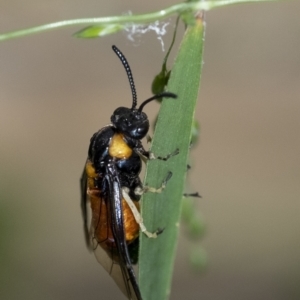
(56, 91)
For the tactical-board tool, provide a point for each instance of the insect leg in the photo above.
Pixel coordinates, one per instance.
(150, 155)
(137, 216)
(141, 190)
(195, 195)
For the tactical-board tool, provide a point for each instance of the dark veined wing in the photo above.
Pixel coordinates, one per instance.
(127, 281)
(83, 205)
(107, 234)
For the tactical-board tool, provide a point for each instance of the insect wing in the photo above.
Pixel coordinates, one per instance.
(107, 224)
(118, 272)
(83, 205)
(119, 235)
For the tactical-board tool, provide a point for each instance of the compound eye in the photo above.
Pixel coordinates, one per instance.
(132, 123)
(140, 130)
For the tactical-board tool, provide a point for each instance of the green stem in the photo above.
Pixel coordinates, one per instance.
(130, 19)
(164, 68)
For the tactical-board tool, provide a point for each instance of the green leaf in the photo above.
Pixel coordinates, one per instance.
(173, 130)
(98, 31)
(159, 82)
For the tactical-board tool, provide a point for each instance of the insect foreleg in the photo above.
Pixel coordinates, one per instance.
(141, 190)
(148, 155)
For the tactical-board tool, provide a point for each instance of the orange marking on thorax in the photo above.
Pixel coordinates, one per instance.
(118, 147)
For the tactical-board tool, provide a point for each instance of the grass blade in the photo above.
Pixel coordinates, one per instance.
(173, 130)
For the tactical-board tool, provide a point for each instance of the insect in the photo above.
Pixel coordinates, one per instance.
(111, 183)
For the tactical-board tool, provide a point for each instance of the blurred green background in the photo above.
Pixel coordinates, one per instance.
(56, 91)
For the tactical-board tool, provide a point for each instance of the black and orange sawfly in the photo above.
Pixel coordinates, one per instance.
(111, 183)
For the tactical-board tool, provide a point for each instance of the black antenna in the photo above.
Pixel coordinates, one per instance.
(129, 75)
(158, 96)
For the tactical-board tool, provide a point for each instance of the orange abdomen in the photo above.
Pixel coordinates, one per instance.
(101, 220)
(101, 223)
